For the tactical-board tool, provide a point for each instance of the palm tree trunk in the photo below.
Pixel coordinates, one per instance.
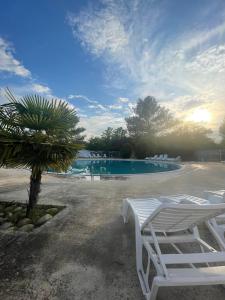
(35, 183)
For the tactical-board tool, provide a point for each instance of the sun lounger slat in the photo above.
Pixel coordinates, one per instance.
(189, 276)
(171, 239)
(193, 258)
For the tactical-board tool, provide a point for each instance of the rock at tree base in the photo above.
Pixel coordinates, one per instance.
(27, 228)
(6, 225)
(52, 211)
(43, 219)
(24, 221)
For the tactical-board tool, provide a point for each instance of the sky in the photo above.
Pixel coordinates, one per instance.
(102, 55)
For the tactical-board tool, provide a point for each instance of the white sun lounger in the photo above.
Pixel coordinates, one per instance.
(215, 196)
(182, 198)
(217, 224)
(165, 157)
(160, 157)
(171, 223)
(154, 157)
(175, 159)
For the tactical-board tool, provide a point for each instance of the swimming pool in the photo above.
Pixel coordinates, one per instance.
(119, 167)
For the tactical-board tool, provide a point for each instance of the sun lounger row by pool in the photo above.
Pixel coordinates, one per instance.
(92, 155)
(174, 220)
(164, 157)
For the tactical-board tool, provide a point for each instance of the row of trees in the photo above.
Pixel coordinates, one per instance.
(112, 140)
(153, 129)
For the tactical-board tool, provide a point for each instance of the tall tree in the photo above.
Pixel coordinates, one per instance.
(149, 118)
(107, 135)
(38, 134)
(119, 133)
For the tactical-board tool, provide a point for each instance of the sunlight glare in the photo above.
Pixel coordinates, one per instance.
(201, 115)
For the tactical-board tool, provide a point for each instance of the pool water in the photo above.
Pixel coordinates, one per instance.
(113, 167)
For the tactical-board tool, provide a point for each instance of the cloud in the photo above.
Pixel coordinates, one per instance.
(81, 97)
(143, 56)
(8, 63)
(117, 33)
(109, 34)
(102, 107)
(115, 107)
(186, 103)
(33, 88)
(96, 124)
(93, 104)
(209, 61)
(29, 86)
(102, 116)
(39, 88)
(200, 37)
(123, 100)
(97, 107)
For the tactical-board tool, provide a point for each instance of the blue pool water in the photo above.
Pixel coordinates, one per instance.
(112, 167)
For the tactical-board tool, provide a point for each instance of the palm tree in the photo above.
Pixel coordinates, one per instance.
(38, 134)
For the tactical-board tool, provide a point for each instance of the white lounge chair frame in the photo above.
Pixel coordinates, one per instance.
(214, 225)
(152, 218)
(217, 224)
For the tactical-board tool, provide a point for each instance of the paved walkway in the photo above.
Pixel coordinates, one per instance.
(89, 253)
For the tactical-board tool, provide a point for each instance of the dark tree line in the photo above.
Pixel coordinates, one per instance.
(112, 140)
(153, 129)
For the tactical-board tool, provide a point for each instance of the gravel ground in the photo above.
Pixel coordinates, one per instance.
(87, 252)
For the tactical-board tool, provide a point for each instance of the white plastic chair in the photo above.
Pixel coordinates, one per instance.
(172, 223)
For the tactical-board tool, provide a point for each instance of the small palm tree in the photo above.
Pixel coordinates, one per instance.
(38, 134)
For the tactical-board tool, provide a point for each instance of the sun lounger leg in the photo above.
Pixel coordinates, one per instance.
(154, 291)
(125, 209)
(143, 277)
(217, 232)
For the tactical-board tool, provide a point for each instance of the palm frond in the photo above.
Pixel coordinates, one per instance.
(38, 133)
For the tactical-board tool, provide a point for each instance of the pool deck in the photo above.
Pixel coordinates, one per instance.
(88, 253)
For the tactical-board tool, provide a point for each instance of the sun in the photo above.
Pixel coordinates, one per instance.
(201, 115)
